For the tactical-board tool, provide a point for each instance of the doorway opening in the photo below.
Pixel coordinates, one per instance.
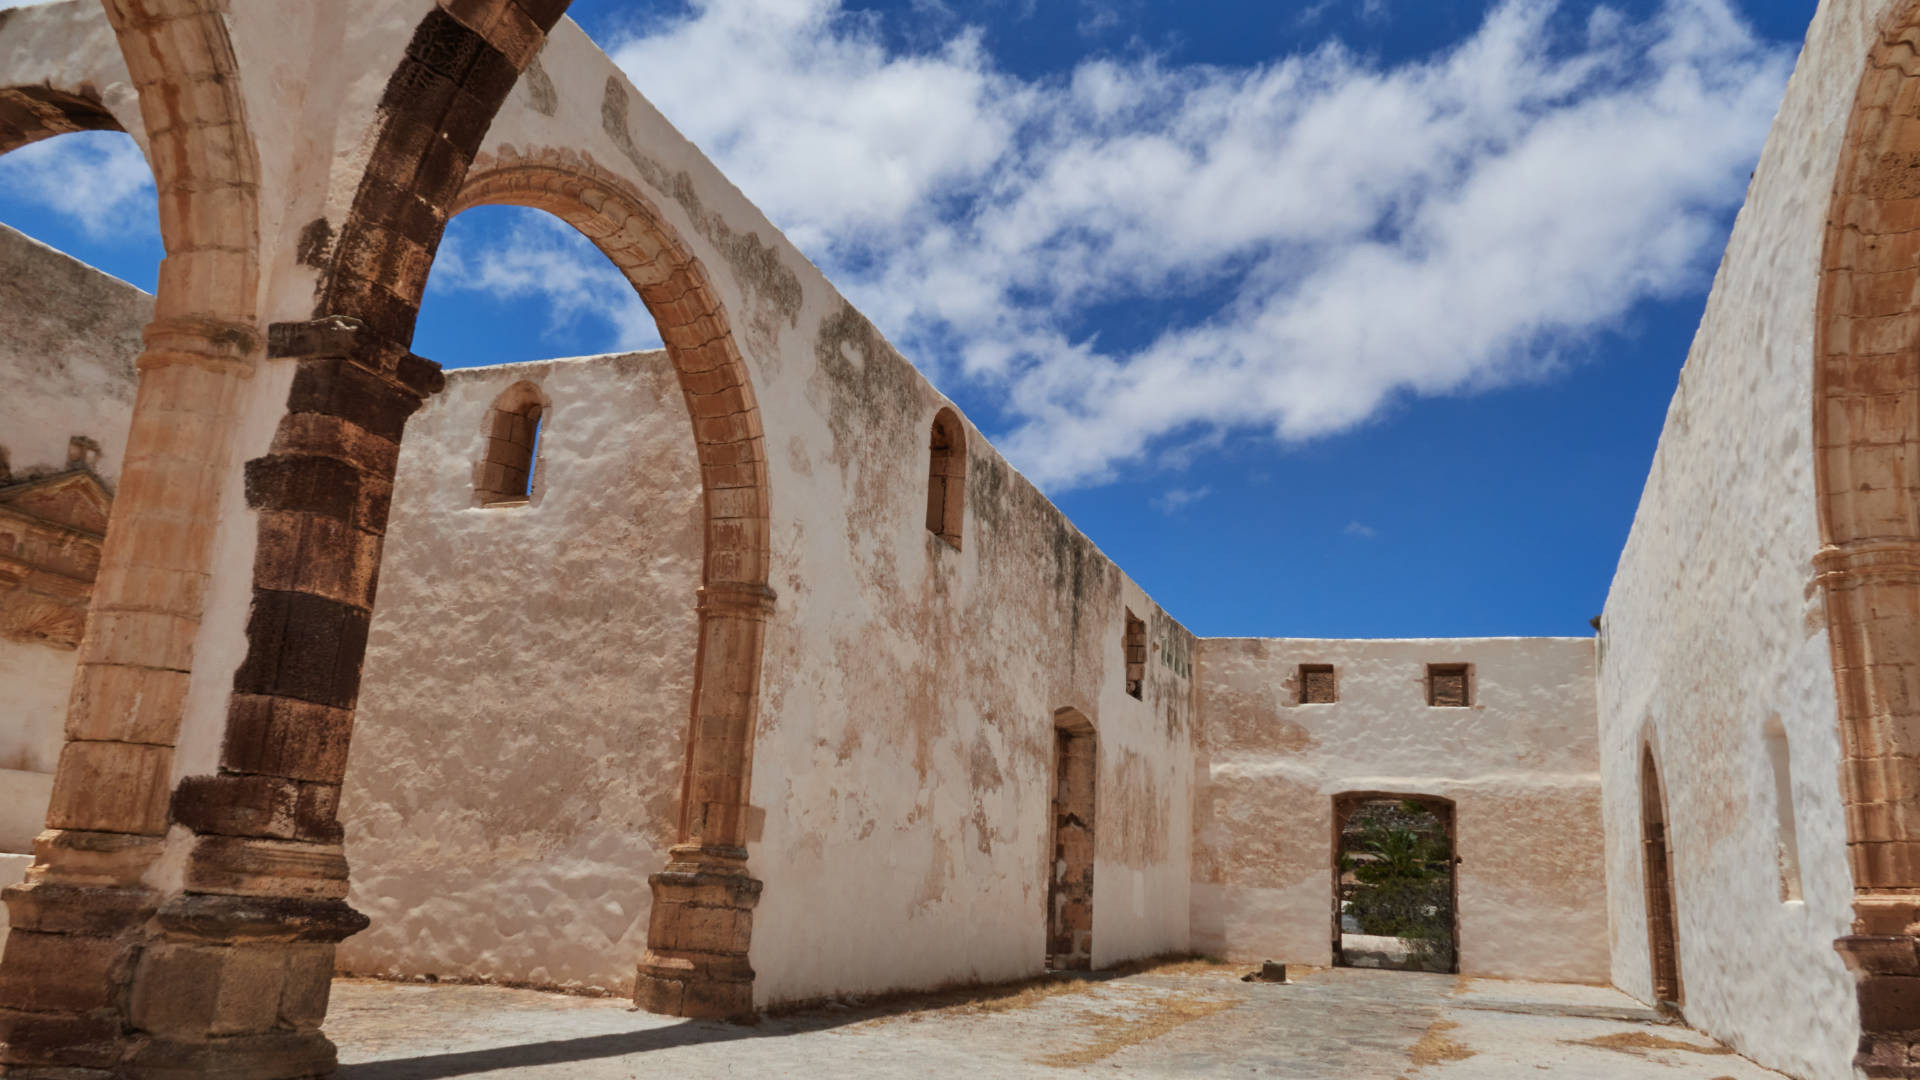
(1394, 894)
(1663, 944)
(1076, 767)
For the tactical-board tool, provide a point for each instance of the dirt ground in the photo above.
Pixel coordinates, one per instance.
(1182, 1020)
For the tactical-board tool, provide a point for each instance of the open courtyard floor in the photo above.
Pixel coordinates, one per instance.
(1180, 1020)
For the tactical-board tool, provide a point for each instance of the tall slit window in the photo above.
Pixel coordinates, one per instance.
(509, 464)
(1787, 837)
(1135, 643)
(947, 478)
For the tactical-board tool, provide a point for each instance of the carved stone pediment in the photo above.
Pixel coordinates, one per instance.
(51, 528)
(76, 499)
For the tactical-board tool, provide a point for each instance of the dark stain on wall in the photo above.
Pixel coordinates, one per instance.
(315, 245)
(987, 490)
(870, 387)
(541, 96)
(767, 282)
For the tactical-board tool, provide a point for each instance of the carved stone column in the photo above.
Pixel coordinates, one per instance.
(234, 982)
(702, 921)
(78, 920)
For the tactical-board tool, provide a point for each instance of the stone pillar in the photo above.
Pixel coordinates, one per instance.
(702, 921)
(235, 978)
(1873, 613)
(78, 920)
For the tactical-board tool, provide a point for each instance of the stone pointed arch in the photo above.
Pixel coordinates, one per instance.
(696, 964)
(1866, 425)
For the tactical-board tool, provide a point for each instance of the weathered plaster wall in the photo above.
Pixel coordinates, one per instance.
(903, 750)
(1713, 625)
(33, 713)
(38, 678)
(1520, 763)
(68, 338)
(515, 769)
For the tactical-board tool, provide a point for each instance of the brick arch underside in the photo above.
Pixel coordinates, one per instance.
(626, 226)
(1866, 438)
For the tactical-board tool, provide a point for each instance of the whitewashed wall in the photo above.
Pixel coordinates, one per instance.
(516, 763)
(69, 335)
(515, 769)
(905, 724)
(1712, 626)
(1520, 763)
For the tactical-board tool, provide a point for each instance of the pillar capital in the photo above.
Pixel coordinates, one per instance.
(227, 348)
(1848, 564)
(1884, 912)
(83, 857)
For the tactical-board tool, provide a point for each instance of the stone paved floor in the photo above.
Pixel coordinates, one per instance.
(1182, 1021)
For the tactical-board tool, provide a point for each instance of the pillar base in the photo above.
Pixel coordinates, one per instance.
(111, 982)
(1884, 955)
(697, 938)
(63, 979)
(279, 1055)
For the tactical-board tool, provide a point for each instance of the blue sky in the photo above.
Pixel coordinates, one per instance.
(1352, 318)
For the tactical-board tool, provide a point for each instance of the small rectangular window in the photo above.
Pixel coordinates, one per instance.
(1317, 685)
(1447, 685)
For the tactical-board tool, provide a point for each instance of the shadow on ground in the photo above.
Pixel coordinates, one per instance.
(800, 1019)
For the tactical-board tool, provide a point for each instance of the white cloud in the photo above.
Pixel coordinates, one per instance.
(99, 180)
(1175, 498)
(842, 139)
(1347, 232)
(1361, 530)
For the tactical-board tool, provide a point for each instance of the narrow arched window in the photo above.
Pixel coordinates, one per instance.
(1134, 643)
(508, 466)
(947, 478)
(1787, 836)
